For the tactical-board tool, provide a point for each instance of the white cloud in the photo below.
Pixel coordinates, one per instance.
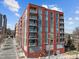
(12, 5)
(17, 14)
(45, 6)
(77, 12)
(70, 18)
(56, 8)
(71, 22)
(76, 18)
(52, 7)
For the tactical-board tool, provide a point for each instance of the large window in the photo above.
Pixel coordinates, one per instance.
(57, 17)
(57, 24)
(39, 20)
(46, 27)
(39, 26)
(51, 22)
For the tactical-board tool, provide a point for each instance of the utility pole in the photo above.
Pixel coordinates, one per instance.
(49, 51)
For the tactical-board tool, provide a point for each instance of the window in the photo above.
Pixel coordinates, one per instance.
(39, 20)
(51, 22)
(57, 15)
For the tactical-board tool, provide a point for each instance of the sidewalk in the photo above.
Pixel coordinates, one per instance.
(7, 50)
(1, 44)
(21, 55)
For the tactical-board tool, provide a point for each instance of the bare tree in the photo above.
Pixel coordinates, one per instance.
(76, 31)
(76, 37)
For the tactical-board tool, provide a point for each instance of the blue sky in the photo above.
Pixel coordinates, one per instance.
(14, 9)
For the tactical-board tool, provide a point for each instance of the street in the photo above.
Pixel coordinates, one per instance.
(8, 51)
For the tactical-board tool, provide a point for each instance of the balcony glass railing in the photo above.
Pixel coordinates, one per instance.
(33, 30)
(32, 36)
(62, 22)
(33, 17)
(33, 11)
(33, 24)
(61, 17)
(61, 26)
(32, 44)
(61, 31)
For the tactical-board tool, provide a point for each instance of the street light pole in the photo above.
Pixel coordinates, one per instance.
(49, 48)
(49, 51)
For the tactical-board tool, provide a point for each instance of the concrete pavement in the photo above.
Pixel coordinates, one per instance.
(7, 50)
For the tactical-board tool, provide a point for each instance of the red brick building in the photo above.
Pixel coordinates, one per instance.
(41, 30)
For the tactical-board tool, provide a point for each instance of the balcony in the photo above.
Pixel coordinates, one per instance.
(33, 38)
(32, 44)
(61, 31)
(33, 17)
(61, 22)
(33, 24)
(61, 26)
(61, 17)
(33, 11)
(33, 30)
(61, 37)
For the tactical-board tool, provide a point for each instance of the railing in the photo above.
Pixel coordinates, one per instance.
(32, 44)
(33, 11)
(61, 31)
(61, 17)
(33, 30)
(33, 24)
(33, 17)
(62, 22)
(32, 38)
(61, 26)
